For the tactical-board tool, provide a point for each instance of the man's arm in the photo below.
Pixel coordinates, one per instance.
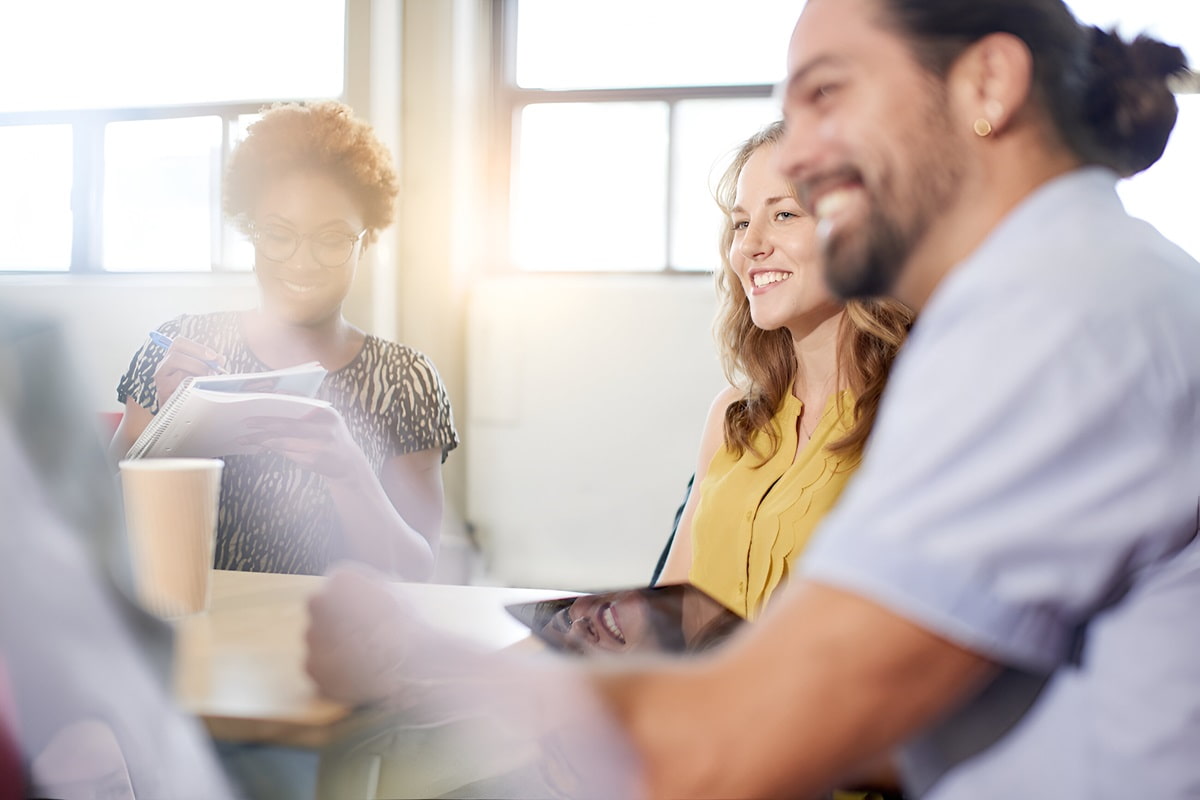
(817, 690)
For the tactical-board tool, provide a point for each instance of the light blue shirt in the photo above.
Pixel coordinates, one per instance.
(1032, 492)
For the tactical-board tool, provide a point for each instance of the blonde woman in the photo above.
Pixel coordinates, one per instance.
(806, 373)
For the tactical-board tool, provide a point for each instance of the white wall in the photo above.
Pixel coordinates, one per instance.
(584, 403)
(586, 397)
(107, 317)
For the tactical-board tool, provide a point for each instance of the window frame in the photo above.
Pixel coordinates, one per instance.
(511, 99)
(87, 187)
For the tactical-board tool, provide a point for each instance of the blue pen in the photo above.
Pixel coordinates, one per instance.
(164, 341)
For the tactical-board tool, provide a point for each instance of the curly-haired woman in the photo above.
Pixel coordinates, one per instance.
(312, 186)
(806, 374)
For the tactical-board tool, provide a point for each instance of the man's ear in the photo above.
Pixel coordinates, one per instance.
(990, 82)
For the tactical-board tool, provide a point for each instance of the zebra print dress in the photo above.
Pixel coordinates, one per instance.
(276, 516)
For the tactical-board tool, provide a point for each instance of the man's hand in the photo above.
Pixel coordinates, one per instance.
(538, 718)
(356, 637)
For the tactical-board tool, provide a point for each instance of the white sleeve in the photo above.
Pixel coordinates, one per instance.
(1024, 464)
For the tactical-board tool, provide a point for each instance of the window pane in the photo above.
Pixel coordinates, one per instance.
(160, 194)
(1169, 20)
(241, 127)
(133, 53)
(574, 44)
(591, 187)
(1163, 195)
(237, 251)
(707, 134)
(35, 197)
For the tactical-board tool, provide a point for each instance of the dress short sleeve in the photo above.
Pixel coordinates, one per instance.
(424, 420)
(138, 381)
(393, 400)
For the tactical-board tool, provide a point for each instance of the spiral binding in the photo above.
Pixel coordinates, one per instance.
(161, 423)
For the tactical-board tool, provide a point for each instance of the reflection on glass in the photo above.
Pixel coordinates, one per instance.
(708, 133)
(35, 197)
(564, 44)
(675, 618)
(590, 187)
(160, 190)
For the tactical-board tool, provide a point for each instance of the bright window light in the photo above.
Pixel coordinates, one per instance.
(577, 44)
(238, 252)
(591, 187)
(638, 169)
(160, 194)
(80, 54)
(1171, 21)
(35, 197)
(1164, 194)
(709, 132)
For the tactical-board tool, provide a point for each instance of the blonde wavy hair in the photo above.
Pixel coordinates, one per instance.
(763, 363)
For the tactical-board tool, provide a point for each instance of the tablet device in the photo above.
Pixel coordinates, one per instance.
(676, 618)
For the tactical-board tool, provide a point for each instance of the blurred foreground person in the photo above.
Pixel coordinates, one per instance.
(85, 690)
(1004, 598)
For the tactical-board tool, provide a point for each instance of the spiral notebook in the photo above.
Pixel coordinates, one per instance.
(206, 416)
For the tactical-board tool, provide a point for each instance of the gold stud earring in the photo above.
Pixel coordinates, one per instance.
(992, 109)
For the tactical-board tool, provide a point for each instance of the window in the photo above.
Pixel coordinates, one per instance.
(114, 141)
(1163, 195)
(35, 197)
(625, 112)
(616, 146)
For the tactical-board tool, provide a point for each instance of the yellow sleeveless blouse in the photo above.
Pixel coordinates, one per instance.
(753, 522)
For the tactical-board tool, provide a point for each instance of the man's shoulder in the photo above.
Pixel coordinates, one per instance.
(1119, 277)
(1072, 246)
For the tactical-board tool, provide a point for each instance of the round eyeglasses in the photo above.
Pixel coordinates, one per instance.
(330, 249)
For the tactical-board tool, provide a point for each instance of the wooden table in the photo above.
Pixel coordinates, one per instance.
(240, 664)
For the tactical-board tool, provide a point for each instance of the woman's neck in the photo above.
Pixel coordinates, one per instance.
(817, 356)
(278, 343)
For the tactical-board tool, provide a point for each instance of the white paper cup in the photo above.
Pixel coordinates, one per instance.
(171, 514)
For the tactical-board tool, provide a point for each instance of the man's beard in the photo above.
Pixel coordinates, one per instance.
(867, 265)
(867, 262)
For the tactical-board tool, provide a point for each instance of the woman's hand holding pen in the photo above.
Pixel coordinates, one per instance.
(184, 358)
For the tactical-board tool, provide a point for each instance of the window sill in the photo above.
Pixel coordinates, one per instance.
(132, 279)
